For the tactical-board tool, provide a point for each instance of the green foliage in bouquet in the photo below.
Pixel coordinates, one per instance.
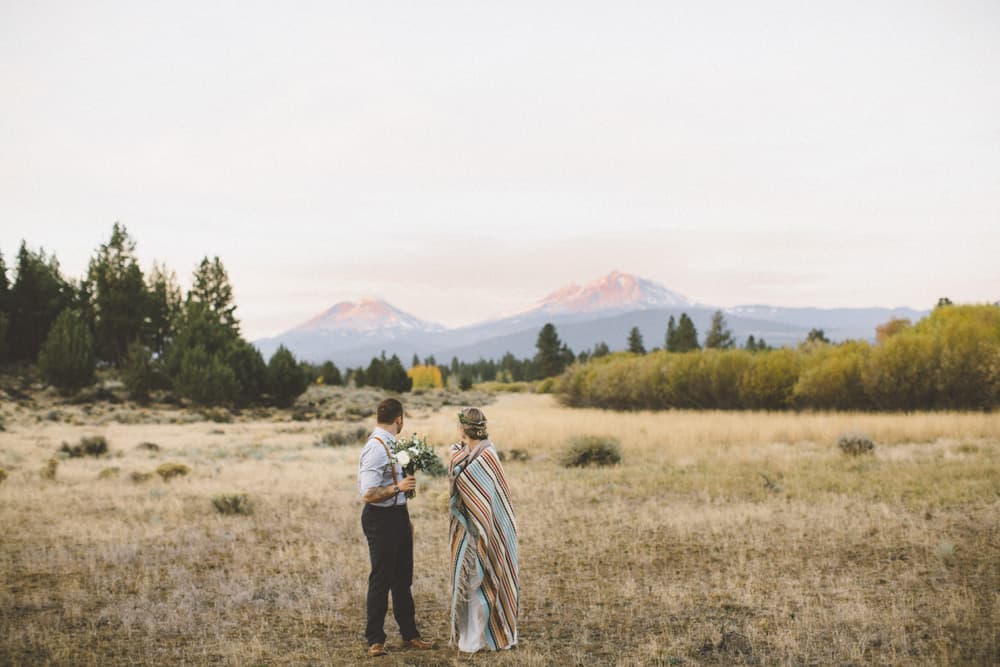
(414, 454)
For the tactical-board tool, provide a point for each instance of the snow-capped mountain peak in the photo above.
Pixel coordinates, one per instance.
(615, 291)
(366, 316)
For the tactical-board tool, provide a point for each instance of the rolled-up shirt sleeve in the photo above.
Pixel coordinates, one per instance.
(371, 469)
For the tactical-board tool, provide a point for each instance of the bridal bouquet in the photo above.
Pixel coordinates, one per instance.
(415, 454)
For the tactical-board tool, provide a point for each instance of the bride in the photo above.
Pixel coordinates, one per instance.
(483, 542)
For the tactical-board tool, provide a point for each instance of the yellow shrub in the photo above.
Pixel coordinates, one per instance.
(425, 377)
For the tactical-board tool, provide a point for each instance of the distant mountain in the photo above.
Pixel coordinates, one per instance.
(605, 310)
(352, 330)
(368, 316)
(614, 293)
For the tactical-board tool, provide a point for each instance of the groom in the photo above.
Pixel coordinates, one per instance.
(386, 523)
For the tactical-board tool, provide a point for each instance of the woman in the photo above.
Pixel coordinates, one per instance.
(483, 542)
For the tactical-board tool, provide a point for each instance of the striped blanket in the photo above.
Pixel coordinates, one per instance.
(483, 551)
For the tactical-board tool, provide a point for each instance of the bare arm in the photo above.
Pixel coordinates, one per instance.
(377, 494)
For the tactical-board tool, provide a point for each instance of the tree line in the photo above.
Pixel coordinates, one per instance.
(140, 324)
(552, 357)
(948, 360)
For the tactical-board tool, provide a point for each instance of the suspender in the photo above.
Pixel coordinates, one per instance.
(392, 467)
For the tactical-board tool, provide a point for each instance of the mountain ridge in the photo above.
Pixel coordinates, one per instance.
(350, 333)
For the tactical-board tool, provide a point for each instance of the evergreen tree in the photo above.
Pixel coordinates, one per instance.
(66, 359)
(4, 348)
(817, 336)
(549, 360)
(202, 336)
(566, 356)
(211, 287)
(465, 381)
(4, 311)
(250, 370)
(670, 344)
(137, 371)
(601, 349)
(205, 378)
(395, 377)
(719, 336)
(37, 297)
(375, 374)
(285, 378)
(4, 288)
(415, 361)
(164, 308)
(330, 374)
(119, 295)
(635, 345)
(687, 335)
(751, 345)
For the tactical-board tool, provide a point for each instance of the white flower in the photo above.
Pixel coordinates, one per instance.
(403, 459)
(414, 451)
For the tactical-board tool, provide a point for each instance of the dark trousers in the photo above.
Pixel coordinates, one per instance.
(390, 546)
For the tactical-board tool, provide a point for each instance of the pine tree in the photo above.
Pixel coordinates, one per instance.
(635, 345)
(375, 373)
(601, 349)
(205, 378)
(395, 377)
(817, 336)
(137, 371)
(566, 356)
(719, 336)
(549, 360)
(165, 305)
(4, 288)
(687, 335)
(66, 359)
(330, 373)
(285, 378)
(671, 338)
(250, 371)
(211, 286)
(119, 295)
(4, 348)
(37, 297)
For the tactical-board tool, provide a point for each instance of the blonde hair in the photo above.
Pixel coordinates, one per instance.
(473, 423)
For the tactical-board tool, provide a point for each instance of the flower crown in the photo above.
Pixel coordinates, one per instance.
(469, 422)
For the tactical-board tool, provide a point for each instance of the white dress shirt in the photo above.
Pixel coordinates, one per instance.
(374, 468)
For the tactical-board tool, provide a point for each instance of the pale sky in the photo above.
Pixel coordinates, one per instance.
(463, 159)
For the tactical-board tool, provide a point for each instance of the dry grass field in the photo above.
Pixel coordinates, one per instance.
(722, 538)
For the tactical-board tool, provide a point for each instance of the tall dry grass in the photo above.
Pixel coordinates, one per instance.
(723, 538)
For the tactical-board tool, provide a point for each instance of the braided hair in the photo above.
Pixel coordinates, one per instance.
(473, 423)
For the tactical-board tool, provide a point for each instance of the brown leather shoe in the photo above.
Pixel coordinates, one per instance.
(418, 643)
(376, 650)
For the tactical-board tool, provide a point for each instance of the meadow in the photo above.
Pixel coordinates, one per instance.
(722, 538)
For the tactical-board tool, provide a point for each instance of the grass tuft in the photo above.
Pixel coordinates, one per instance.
(95, 445)
(587, 450)
(856, 444)
(233, 504)
(341, 438)
(170, 470)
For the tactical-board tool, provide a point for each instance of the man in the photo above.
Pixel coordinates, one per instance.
(386, 524)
